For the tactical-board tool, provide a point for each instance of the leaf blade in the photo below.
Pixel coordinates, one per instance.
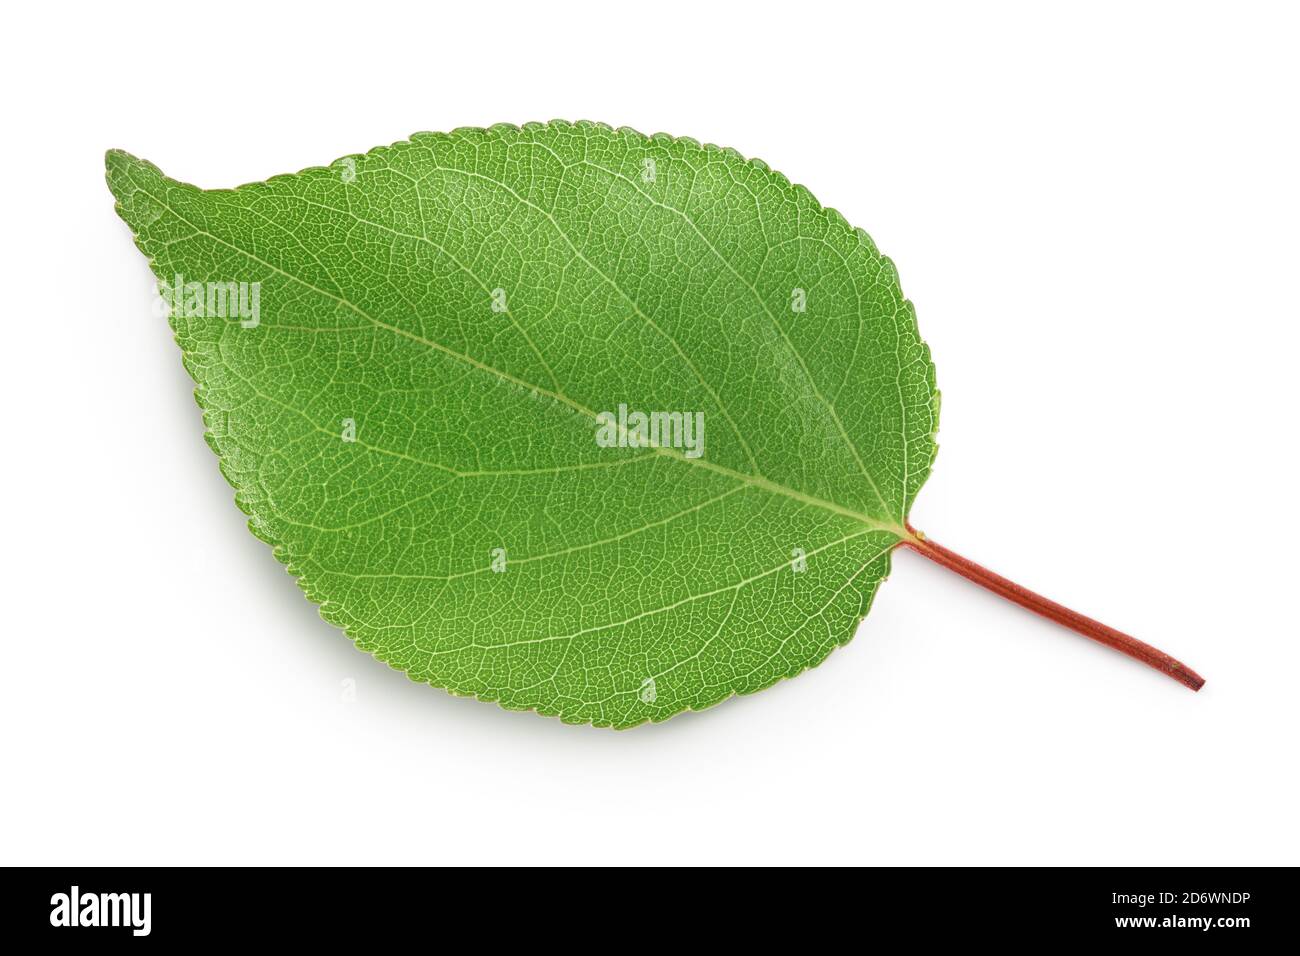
(623, 565)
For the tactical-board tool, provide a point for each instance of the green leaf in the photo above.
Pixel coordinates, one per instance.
(403, 360)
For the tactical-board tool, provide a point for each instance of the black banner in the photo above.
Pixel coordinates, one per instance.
(134, 906)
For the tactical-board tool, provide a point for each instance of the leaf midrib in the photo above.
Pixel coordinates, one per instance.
(752, 480)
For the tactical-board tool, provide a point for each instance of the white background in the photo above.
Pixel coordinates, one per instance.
(1095, 211)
